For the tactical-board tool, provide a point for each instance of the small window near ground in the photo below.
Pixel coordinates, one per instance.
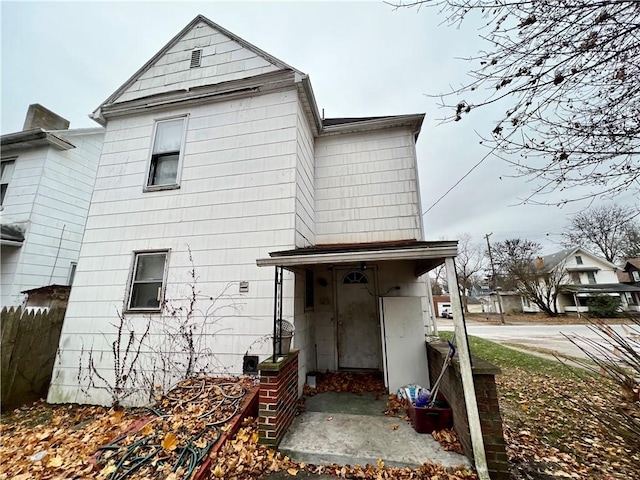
(72, 273)
(5, 177)
(592, 277)
(308, 290)
(578, 259)
(166, 153)
(355, 277)
(147, 281)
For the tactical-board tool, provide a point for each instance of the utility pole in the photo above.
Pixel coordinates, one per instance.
(493, 272)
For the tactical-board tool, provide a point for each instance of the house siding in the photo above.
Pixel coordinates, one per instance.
(223, 60)
(366, 187)
(51, 191)
(305, 173)
(236, 203)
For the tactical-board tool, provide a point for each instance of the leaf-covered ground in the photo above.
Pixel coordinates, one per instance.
(550, 416)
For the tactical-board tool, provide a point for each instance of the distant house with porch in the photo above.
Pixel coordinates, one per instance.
(583, 276)
(629, 274)
(216, 162)
(48, 174)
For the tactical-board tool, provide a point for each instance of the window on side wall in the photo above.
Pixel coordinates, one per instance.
(166, 154)
(578, 259)
(592, 277)
(636, 276)
(72, 272)
(5, 177)
(146, 290)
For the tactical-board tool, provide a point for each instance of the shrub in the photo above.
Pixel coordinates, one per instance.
(603, 306)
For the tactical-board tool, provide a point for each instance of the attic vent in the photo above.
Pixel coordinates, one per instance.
(196, 56)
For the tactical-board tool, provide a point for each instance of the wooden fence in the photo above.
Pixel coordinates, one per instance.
(28, 351)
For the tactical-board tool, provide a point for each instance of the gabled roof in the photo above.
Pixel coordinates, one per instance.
(554, 259)
(634, 262)
(197, 20)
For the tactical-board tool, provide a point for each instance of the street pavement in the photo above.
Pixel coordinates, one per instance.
(549, 337)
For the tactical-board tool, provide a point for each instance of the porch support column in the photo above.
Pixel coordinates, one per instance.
(464, 357)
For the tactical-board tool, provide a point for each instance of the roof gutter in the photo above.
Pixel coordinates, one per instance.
(34, 138)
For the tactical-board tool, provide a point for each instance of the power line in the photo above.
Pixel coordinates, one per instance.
(458, 182)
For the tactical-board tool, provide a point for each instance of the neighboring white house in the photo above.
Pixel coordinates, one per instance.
(216, 162)
(48, 173)
(584, 275)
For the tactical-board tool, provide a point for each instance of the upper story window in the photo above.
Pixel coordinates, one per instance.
(575, 278)
(166, 154)
(5, 177)
(146, 289)
(592, 277)
(578, 259)
(636, 276)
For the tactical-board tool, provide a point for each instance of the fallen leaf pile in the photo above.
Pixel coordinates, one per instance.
(348, 382)
(448, 439)
(45, 442)
(552, 428)
(397, 407)
(187, 423)
(242, 458)
(169, 441)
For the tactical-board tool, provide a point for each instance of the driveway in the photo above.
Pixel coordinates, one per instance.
(549, 337)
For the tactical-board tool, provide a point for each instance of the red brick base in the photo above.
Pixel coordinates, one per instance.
(278, 397)
(487, 397)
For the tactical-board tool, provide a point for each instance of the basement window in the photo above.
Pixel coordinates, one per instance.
(146, 290)
(166, 154)
(196, 57)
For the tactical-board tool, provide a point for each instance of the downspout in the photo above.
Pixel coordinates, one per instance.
(464, 358)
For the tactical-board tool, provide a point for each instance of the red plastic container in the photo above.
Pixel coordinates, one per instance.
(428, 419)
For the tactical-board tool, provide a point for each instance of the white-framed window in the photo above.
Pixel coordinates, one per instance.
(148, 278)
(6, 173)
(72, 272)
(578, 259)
(575, 278)
(167, 151)
(591, 276)
(635, 275)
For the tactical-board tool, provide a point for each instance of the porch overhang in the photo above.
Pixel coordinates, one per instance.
(425, 255)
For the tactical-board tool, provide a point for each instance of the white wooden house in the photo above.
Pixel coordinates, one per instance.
(48, 172)
(582, 275)
(216, 163)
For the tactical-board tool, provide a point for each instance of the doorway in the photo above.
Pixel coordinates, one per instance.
(359, 344)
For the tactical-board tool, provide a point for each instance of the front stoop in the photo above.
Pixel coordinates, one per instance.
(278, 397)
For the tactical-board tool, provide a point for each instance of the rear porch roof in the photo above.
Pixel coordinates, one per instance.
(426, 255)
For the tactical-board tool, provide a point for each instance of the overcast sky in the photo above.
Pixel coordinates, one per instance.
(364, 59)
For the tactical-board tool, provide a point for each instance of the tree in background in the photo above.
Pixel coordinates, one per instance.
(519, 270)
(469, 263)
(568, 71)
(438, 280)
(609, 230)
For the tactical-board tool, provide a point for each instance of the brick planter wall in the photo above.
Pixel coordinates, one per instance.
(487, 397)
(278, 397)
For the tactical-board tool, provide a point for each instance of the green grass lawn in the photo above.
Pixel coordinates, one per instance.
(552, 416)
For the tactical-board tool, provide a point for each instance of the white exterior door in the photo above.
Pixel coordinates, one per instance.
(404, 342)
(358, 324)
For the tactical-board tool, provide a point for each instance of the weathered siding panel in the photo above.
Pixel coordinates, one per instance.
(366, 188)
(305, 172)
(52, 193)
(236, 203)
(223, 60)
